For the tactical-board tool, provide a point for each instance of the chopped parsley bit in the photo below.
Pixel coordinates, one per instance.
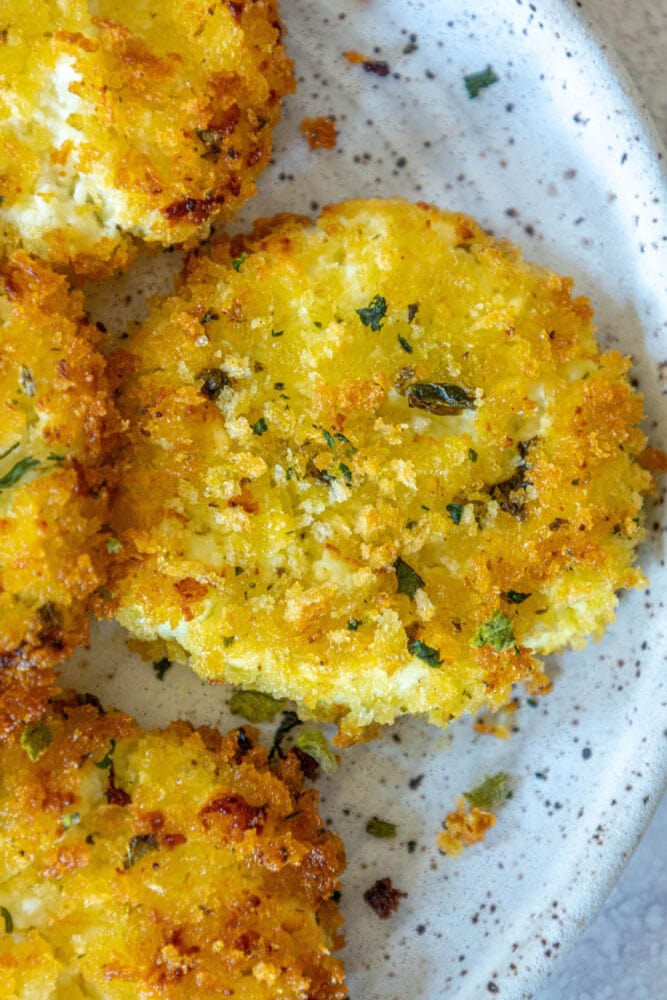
(404, 344)
(353, 624)
(106, 762)
(426, 653)
(439, 398)
(373, 314)
(289, 721)
(413, 309)
(472, 454)
(318, 325)
(238, 570)
(208, 317)
(412, 846)
(532, 702)
(16, 471)
(345, 472)
(36, 739)
(516, 597)
(409, 580)
(161, 667)
(260, 427)
(490, 793)
(239, 261)
(277, 333)
(52, 457)
(381, 828)
(214, 380)
(26, 381)
(341, 437)
(336, 896)
(11, 448)
(255, 706)
(316, 745)
(113, 546)
(328, 438)
(228, 640)
(69, 820)
(540, 776)
(4, 912)
(475, 82)
(278, 386)
(496, 632)
(455, 511)
(138, 848)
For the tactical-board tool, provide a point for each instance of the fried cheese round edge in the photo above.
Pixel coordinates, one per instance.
(57, 431)
(174, 860)
(133, 123)
(378, 465)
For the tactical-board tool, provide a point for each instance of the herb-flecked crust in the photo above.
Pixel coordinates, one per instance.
(251, 553)
(135, 120)
(171, 863)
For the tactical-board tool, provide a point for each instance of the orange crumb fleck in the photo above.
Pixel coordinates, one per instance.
(320, 132)
(355, 57)
(464, 828)
(488, 729)
(653, 459)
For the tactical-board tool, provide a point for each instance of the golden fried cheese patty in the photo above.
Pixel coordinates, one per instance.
(132, 118)
(377, 463)
(172, 864)
(57, 424)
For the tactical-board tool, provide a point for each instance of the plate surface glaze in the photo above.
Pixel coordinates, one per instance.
(555, 157)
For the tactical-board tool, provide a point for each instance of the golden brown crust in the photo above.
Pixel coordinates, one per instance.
(170, 864)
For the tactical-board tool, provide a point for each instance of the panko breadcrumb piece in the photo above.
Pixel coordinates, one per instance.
(57, 429)
(378, 465)
(174, 863)
(121, 120)
(465, 826)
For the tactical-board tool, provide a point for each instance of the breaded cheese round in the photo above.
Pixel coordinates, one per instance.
(57, 426)
(176, 864)
(377, 464)
(122, 119)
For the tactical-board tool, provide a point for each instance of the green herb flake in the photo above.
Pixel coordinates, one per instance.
(404, 344)
(36, 739)
(381, 828)
(328, 438)
(316, 745)
(277, 333)
(106, 762)
(11, 448)
(255, 706)
(344, 440)
(472, 455)
(27, 382)
(409, 580)
(161, 667)
(373, 314)
(7, 917)
(413, 309)
(532, 702)
(496, 632)
(412, 846)
(228, 640)
(439, 398)
(208, 317)
(238, 262)
(69, 820)
(345, 472)
(426, 653)
(19, 469)
(475, 82)
(490, 792)
(260, 427)
(455, 511)
(353, 624)
(138, 848)
(113, 546)
(53, 457)
(289, 720)
(516, 597)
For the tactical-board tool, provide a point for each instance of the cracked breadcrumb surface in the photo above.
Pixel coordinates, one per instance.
(378, 464)
(171, 863)
(121, 120)
(57, 428)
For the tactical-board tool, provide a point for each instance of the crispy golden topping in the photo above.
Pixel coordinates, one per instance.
(378, 463)
(171, 864)
(465, 826)
(149, 121)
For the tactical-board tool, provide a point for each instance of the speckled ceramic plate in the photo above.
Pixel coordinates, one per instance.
(554, 156)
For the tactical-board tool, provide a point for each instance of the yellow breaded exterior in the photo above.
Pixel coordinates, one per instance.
(57, 425)
(138, 119)
(376, 464)
(172, 864)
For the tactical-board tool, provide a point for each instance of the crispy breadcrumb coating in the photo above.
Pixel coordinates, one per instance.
(172, 864)
(121, 120)
(377, 464)
(57, 426)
